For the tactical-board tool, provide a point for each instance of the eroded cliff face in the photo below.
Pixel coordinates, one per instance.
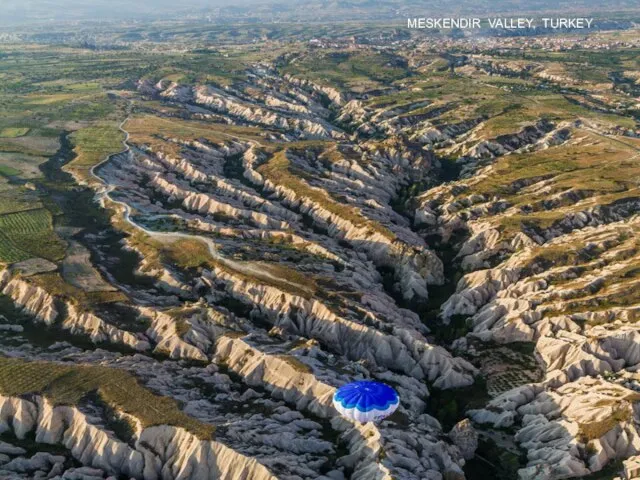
(415, 451)
(303, 378)
(284, 102)
(565, 284)
(31, 299)
(157, 452)
(402, 349)
(43, 307)
(569, 431)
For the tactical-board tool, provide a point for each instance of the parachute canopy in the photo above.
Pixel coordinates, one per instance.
(366, 401)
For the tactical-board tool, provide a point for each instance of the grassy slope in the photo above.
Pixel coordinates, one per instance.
(27, 234)
(68, 385)
(92, 145)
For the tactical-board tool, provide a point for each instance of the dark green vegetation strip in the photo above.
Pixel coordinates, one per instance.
(92, 145)
(355, 71)
(29, 234)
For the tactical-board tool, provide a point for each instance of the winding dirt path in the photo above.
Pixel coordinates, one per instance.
(241, 267)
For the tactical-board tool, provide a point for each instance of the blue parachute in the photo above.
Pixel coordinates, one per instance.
(366, 401)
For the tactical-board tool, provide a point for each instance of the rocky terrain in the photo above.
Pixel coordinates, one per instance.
(255, 243)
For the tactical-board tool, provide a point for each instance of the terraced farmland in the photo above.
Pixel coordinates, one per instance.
(29, 234)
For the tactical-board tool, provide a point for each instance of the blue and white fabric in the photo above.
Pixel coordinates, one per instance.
(366, 401)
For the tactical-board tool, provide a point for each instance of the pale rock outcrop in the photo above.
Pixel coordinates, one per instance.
(32, 299)
(333, 94)
(222, 102)
(631, 468)
(207, 204)
(286, 379)
(589, 418)
(99, 331)
(433, 135)
(404, 350)
(173, 453)
(464, 436)
(164, 332)
(36, 302)
(476, 289)
(415, 265)
(160, 452)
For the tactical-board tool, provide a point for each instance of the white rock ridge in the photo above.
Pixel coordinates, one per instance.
(160, 452)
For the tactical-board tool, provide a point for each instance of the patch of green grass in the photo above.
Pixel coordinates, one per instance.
(9, 252)
(30, 232)
(296, 364)
(146, 129)
(13, 132)
(493, 462)
(92, 145)
(588, 163)
(7, 171)
(353, 70)
(194, 254)
(14, 200)
(449, 406)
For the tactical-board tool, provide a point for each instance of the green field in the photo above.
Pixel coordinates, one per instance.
(359, 71)
(7, 171)
(16, 200)
(29, 234)
(92, 145)
(13, 132)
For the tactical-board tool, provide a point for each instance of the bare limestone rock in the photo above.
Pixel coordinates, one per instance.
(160, 452)
(465, 437)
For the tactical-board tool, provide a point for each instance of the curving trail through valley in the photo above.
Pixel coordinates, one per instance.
(104, 194)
